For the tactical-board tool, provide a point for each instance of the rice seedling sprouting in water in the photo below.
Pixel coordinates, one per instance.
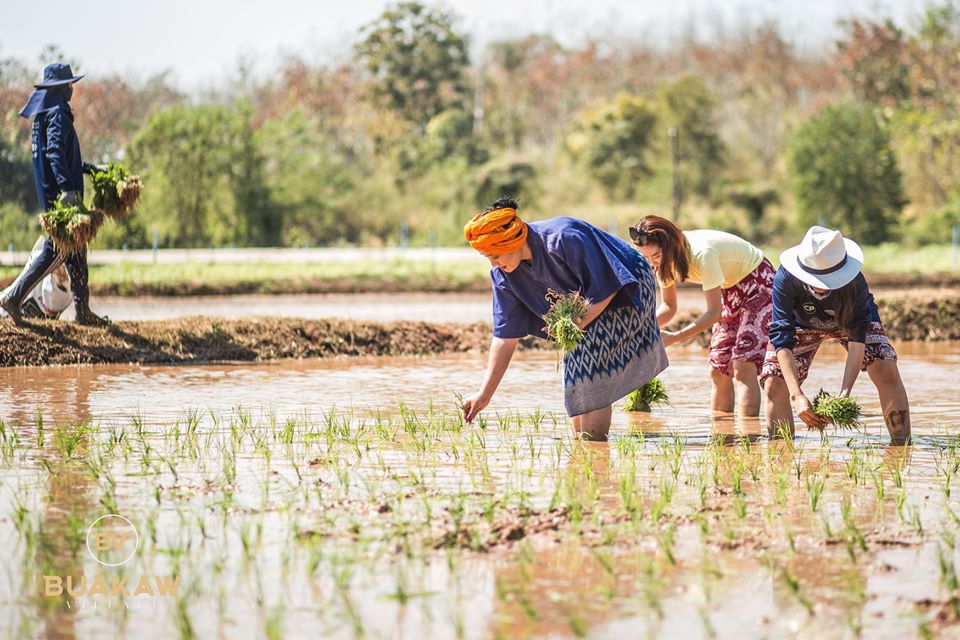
(115, 191)
(563, 319)
(844, 413)
(643, 399)
(71, 228)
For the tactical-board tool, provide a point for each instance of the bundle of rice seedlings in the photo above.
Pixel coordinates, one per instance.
(71, 228)
(844, 413)
(643, 399)
(115, 191)
(562, 320)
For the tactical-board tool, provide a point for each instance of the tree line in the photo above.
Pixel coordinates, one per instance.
(410, 131)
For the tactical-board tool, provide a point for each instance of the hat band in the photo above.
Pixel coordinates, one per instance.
(823, 272)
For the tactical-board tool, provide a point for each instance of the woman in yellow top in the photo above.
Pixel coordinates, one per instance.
(737, 284)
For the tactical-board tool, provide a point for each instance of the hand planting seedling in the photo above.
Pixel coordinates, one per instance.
(643, 399)
(843, 412)
(71, 228)
(115, 191)
(563, 320)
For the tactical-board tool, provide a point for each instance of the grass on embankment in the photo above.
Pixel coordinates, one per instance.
(887, 265)
(896, 258)
(197, 278)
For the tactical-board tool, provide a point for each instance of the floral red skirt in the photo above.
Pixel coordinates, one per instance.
(741, 333)
(877, 347)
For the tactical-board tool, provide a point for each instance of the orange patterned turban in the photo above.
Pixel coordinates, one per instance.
(496, 232)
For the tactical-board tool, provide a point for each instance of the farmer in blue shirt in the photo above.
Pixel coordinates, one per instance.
(58, 173)
(819, 294)
(535, 262)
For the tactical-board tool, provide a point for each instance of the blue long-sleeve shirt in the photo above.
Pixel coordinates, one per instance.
(57, 165)
(794, 306)
(568, 255)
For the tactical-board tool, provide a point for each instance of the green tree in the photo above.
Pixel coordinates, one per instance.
(450, 135)
(510, 176)
(845, 170)
(874, 57)
(16, 176)
(914, 79)
(613, 140)
(689, 106)
(17, 226)
(204, 177)
(447, 139)
(418, 61)
(323, 186)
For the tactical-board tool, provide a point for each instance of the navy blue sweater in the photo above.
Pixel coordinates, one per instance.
(794, 306)
(56, 155)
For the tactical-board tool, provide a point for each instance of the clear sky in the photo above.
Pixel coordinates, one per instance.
(200, 41)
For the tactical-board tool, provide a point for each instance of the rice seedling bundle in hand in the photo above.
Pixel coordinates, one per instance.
(643, 399)
(115, 191)
(71, 228)
(563, 320)
(844, 413)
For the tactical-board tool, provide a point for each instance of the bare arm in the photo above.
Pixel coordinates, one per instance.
(801, 404)
(501, 352)
(668, 306)
(706, 319)
(852, 369)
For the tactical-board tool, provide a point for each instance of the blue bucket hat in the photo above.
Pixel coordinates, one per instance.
(57, 74)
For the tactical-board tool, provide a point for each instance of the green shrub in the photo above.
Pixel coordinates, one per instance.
(846, 173)
(613, 141)
(17, 226)
(933, 228)
(506, 177)
(688, 105)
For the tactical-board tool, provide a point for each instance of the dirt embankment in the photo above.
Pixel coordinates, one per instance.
(212, 339)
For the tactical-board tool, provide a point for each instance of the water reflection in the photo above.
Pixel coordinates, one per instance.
(75, 393)
(68, 510)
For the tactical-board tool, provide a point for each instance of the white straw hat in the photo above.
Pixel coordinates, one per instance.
(823, 259)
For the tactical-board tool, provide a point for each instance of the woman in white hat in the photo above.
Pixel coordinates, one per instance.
(818, 294)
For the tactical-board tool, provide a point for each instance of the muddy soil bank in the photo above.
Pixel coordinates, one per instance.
(435, 283)
(190, 340)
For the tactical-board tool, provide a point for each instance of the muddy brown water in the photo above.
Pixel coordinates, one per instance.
(361, 306)
(931, 373)
(382, 307)
(550, 588)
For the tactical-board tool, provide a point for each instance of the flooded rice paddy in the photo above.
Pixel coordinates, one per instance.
(346, 498)
(383, 307)
(451, 307)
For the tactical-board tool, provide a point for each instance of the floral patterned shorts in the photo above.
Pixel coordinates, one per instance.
(742, 330)
(877, 347)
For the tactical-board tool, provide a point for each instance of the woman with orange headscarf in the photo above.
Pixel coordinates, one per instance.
(532, 263)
